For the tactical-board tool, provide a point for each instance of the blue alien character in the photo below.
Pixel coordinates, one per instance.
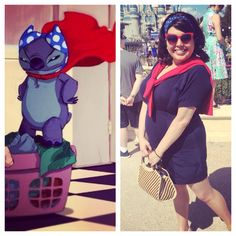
(77, 40)
(45, 93)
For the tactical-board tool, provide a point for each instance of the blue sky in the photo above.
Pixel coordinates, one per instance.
(196, 10)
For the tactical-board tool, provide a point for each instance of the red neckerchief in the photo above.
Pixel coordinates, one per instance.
(153, 82)
(88, 43)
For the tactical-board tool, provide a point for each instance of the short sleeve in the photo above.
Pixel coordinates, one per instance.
(197, 88)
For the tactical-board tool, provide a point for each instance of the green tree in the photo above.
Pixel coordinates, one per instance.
(226, 22)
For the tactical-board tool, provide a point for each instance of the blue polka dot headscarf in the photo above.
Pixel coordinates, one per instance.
(55, 38)
(171, 19)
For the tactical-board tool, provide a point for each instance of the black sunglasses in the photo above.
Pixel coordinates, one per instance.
(173, 38)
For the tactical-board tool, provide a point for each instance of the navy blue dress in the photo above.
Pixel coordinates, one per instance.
(186, 158)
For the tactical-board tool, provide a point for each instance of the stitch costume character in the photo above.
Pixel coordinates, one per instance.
(47, 90)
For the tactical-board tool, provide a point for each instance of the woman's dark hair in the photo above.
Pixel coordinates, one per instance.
(220, 6)
(187, 23)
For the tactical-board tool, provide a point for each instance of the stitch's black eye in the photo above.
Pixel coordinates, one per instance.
(54, 58)
(23, 59)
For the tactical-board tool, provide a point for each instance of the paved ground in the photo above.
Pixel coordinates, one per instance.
(141, 213)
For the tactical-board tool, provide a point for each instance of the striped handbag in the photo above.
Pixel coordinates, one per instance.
(156, 181)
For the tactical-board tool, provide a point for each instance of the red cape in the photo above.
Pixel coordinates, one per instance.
(88, 43)
(153, 82)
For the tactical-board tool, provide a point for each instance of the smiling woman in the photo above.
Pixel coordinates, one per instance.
(181, 26)
(171, 132)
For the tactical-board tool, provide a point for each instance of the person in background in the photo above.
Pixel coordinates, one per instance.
(154, 51)
(228, 50)
(149, 55)
(171, 132)
(215, 44)
(131, 76)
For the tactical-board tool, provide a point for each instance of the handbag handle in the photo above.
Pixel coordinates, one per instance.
(148, 164)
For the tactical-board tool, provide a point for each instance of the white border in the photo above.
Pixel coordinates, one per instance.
(117, 102)
(117, 3)
(2, 116)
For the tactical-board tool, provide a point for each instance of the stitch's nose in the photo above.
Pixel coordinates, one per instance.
(36, 63)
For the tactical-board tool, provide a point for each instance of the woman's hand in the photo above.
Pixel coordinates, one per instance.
(8, 158)
(145, 146)
(153, 158)
(130, 101)
(123, 100)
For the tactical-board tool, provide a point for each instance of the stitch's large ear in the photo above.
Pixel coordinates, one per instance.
(28, 36)
(29, 29)
(26, 32)
(56, 39)
(56, 29)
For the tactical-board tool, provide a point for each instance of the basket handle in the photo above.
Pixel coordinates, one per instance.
(148, 164)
